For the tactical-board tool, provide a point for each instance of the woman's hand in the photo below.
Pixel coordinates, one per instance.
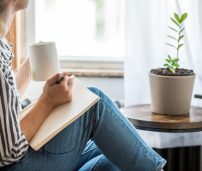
(58, 93)
(54, 94)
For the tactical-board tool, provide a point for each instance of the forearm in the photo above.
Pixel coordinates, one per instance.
(23, 77)
(33, 120)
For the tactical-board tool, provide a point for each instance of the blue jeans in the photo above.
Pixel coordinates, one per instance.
(118, 145)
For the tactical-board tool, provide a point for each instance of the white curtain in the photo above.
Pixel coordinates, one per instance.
(147, 24)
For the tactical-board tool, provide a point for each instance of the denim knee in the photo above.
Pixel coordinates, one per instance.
(104, 98)
(97, 91)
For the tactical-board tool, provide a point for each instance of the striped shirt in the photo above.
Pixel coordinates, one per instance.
(13, 144)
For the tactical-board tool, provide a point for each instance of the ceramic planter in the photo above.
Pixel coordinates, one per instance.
(171, 94)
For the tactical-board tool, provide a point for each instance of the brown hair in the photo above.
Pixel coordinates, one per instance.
(1, 6)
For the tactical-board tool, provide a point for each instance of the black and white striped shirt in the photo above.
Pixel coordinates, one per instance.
(13, 144)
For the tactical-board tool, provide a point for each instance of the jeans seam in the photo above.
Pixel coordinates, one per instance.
(88, 151)
(131, 133)
(48, 152)
(96, 164)
(123, 124)
(93, 120)
(97, 125)
(159, 164)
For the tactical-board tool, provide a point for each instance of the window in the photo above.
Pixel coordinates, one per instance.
(82, 28)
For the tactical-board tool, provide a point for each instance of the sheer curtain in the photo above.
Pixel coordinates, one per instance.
(146, 29)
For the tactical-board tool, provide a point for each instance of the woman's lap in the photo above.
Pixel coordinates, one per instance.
(62, 152)
(69, 150)
(91, 159)
(111, 132)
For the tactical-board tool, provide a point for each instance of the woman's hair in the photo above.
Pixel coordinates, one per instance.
(1, 6)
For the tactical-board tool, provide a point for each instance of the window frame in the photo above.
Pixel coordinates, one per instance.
(25, 22)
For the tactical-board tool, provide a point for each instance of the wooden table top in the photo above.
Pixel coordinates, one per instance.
(142, 118)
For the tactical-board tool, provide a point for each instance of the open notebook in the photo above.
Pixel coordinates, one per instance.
(63, 115)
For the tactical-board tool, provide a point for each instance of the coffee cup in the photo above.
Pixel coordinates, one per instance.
(43, 60)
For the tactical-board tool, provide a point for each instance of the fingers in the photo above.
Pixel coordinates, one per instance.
(70, 81)
(67, 82)
(51, 81)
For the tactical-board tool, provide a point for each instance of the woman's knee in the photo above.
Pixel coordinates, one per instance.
(97, 91)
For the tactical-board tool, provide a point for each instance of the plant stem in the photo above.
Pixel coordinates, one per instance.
(178, 41)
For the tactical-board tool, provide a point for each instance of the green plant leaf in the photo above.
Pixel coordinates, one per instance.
(177, 17)
(173, 29)
(166, 65)
(172, 69)
(173, 20)
(169, 57)
(172, 37)
(180, 45)
(168, 60)
(173, 63)
(177, 66)
(171, 45)
(181, 30)
(176, 60)
(183, 17)
(180, 38)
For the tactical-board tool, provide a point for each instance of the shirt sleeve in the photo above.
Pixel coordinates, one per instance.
(13, 144)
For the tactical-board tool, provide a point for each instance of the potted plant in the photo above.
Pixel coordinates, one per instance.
(171, 86)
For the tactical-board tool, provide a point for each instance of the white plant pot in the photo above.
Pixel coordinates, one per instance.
(171, 94)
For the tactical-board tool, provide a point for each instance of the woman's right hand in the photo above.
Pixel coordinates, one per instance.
(57, 94)
(52, 96)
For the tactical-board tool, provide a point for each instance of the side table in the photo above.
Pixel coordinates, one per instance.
(180, 158)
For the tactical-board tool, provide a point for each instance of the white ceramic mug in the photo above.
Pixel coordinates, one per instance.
(44, 60)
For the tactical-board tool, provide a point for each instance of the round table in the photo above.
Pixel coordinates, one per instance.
(180, 158)
(142, 117)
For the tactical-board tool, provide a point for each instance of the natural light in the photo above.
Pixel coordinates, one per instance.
(84, 28)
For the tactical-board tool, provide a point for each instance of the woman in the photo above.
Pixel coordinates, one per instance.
(118, 146)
